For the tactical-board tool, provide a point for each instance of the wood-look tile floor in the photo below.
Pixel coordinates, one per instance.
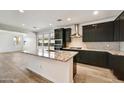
(12, 70)
(92, 74)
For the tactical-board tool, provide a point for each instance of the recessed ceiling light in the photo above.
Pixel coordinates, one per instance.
(23, 24)
(21, 11)
(95, 12)
(50, 24)
(37, 28)
(68, 19)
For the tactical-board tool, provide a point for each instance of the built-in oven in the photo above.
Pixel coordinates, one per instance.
(58, 44)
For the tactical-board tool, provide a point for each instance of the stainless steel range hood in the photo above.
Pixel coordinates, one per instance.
(76, 34)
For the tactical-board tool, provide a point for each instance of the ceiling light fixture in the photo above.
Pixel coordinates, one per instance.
(68, 19)
(95, 12)
(23, 24)
(37, 28)
(50, 24)
(21, 11)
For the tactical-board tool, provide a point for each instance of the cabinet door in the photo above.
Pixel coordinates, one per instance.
(122, 27)
(93, 58)
(104, 32)
(58, 33)
(117, 65)
(88, 33)
(98, 32)
(117, 29)
(108, 29)
(68, 34)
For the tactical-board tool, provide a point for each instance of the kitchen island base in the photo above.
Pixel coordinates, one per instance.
(53, 70)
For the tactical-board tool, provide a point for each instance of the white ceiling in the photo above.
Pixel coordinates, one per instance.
(42, 18)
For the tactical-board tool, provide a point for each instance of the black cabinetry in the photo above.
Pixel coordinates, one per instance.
(101, 59)
(122, 27)
(59, 38)
(68, 34)
(88, 33)
(59, 33)
(105, 32)
(117, 29)
(116, 63)
(62, 36)
(92, 58)
(98, 32)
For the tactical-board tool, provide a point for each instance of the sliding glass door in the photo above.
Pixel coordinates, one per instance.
(45, 43)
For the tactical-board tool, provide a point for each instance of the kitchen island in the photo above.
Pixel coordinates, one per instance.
(56, 66)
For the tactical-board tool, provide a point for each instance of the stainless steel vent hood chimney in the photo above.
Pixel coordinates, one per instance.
(76, 34)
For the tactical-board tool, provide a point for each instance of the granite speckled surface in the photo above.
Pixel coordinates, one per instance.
(59, 55)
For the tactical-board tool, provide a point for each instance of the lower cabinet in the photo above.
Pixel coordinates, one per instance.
(92, 58)
(116, 63)
(101, 59)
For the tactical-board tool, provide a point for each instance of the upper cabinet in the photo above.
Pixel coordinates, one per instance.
(62, 36)
(122, 27)
(59, 33)
(117, 29)
(101, 32)
(68, 34)
(88, 33)
(105, 32)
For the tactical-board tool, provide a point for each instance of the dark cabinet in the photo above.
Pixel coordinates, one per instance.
(68, 34)
(116, 63)
(117, 29)
(59, 38)
(93, 58)
(108, 31)
(62, 36)
(98, 32)
(122, 27)
(88, 33)
(101, 59)
(59, 33)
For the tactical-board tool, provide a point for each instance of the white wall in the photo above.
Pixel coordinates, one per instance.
(7, 44)
(30, 45)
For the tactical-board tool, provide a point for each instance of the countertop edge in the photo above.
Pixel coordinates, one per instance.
(112, 52)
(51, 58)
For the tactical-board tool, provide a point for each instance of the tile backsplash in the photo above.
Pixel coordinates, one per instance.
(77, 42)
(103, 45)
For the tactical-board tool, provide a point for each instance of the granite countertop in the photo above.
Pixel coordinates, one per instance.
(59, 55)
(113, 52)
